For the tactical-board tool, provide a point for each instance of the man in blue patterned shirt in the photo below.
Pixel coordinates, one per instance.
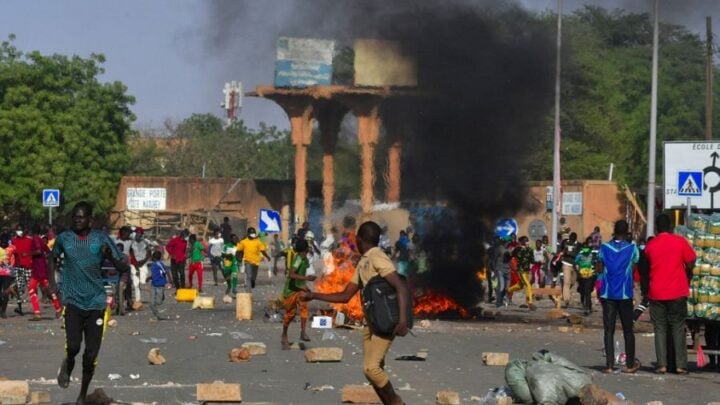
(83, 293)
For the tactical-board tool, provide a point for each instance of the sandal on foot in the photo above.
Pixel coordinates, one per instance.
(608, 370)
(632, 369)
(681, 371)
(661, 370)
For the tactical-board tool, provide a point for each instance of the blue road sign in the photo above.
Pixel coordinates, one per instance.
(506, 227)
(269, 221)
(690, 184)
(51, 197)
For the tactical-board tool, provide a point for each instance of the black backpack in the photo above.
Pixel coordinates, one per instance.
(381, 305)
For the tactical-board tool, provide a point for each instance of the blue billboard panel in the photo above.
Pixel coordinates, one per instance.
(303, 62)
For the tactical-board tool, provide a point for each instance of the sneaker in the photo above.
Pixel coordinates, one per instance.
(63, 378)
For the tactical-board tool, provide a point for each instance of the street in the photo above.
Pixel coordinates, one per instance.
(196, 344)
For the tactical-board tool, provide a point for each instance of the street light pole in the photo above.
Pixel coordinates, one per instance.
(653, 128)
(556, 149)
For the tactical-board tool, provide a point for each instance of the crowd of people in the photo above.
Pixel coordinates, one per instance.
(625, 277)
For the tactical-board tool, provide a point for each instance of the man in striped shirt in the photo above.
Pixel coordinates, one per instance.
(83, 293)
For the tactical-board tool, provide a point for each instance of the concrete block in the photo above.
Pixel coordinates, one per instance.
(661, 403)
(239, 355)
(557, 313)
(592, 394)
(495, 359)
(204, 302)
(12, 390)
(447, 398)
(13, 400)
(359, 394)
(564, 329)
(218, 392)
(39, 397)
(322, 354)
(154, 357)
(505, 401)
(255, 348)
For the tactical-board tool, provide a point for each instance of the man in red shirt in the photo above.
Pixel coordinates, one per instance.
(671, 261)
(23, 260)
(177, 248)
(39, 274)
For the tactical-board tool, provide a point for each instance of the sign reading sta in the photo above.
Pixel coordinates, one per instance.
(692, 170)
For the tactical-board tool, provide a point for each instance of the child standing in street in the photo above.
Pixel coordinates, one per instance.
(230, 269)
(196, 261)
(294, 286)
(158, 278)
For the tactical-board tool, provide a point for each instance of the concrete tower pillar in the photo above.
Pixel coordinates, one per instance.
(368, 124)
(329, 116)
(300, 112)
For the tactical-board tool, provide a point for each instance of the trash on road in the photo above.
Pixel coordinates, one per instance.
(546, 378)
(155, 358)
(112, 323)
(113, 376)
(154, 340)
(495, 395)
(410, 357)
(134, 376)
(328, 335)
(214, 334)
(310, 387)
(240, 335)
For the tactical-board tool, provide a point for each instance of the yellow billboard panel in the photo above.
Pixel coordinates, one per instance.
(381, 63)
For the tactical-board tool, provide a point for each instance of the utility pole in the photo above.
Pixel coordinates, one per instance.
(709, 81)
(556, 149)
(653, 128)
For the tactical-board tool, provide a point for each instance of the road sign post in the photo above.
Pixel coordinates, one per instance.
(50, 199)
(269, 221)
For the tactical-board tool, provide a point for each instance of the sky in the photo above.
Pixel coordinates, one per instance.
(167, 52)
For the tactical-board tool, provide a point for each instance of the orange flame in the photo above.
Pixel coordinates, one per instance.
(434, 303)
(339, 269)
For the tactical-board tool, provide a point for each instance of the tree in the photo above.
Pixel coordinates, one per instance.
(605, 110)
(200, 140)
(60, 128)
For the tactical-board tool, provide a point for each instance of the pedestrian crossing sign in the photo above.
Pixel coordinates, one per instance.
(51, 198)
(690, 184)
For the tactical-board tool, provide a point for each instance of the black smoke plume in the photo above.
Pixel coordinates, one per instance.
(488, 70)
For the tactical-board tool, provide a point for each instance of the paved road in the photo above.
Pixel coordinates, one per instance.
(197, 344)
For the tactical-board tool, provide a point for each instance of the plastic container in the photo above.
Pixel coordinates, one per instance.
(186, 294)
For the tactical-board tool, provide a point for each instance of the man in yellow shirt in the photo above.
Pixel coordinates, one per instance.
(251, 249)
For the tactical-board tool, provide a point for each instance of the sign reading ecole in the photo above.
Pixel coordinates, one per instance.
(146, 199)
(692, 170)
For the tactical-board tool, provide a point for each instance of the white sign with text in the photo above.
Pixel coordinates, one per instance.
(146, 199)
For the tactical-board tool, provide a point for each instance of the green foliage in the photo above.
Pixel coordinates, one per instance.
(236, 151)
(61, 128)
(605, 102)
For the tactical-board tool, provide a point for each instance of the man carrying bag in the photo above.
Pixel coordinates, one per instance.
(374, 262)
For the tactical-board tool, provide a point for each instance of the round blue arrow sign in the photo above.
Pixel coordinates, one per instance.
(506, 227)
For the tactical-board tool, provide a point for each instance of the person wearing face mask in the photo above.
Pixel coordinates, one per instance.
(23, 262)
(251, 250)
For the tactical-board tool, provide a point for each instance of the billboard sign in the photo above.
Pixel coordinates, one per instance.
(381, 63)
(146, 199)
(302, 62)
(572, 203)
(692, 171)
